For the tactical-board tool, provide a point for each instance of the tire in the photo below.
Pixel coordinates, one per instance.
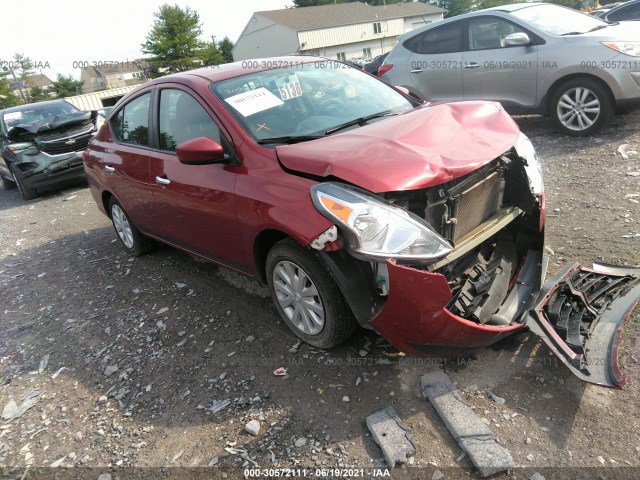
(132, 240)
(580, 107)
(27, 193)
(7, 184)
(322, 317)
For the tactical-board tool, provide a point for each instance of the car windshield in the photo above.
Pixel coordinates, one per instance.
(36, 112)
(559, 20)
(307, 100)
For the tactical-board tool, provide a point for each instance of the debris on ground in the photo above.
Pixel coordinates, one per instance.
(393, 436)
(471, 433)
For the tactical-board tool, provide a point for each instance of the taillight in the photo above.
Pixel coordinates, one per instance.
(384, 68)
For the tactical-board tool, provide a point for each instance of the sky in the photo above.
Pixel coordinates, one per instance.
(61, 32)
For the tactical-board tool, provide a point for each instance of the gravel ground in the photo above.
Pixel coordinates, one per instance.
(126, 360)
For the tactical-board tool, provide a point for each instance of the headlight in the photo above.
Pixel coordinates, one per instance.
(376, 229)
(628, 48)
(525, 149)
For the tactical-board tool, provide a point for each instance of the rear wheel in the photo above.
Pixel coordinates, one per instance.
(133, 241)
(580, 107)
(27, 193)
(306, 296)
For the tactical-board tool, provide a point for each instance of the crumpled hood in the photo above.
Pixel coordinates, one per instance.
(425, 147)
(50, 123)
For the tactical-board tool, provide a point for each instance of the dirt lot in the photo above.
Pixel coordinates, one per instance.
(147, 345)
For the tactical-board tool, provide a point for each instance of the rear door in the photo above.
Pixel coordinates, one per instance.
(195, 206)
(126, 163)
(435, 62)
(493, 70)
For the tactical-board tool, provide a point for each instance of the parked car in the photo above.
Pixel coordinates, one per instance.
(627, 11)
(355, 204)
(533, 58)
(42, 145)
(601, 11)
(373, 65)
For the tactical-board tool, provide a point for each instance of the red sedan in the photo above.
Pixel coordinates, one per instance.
(355, 204)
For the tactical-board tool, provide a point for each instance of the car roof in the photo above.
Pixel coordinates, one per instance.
(17, 108)
(622, 5)
(217, 73)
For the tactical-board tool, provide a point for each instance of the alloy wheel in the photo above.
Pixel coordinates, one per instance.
(578, 108)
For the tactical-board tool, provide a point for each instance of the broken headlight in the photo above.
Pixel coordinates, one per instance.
(376, 229)
(525, 149)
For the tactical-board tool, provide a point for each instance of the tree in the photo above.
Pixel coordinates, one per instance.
(576, 4)
(7, 97)
(210, 55)
(226, 49)
(37, 94)
(66, 86)
(173, 39)
(454, 7)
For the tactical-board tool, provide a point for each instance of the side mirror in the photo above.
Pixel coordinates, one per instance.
(200, 151)
(517, 39)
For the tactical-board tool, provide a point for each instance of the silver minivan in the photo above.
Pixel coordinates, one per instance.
(532, 57)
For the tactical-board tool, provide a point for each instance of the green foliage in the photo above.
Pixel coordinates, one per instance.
(7, 97)
(495, 3)
(66, 86)
(37, 94)
(226, 49)
(210, 55)
(173, 39)
(576, 4)
(454, 7)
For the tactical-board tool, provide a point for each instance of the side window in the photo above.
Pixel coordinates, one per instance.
(630, 12)
(182, 118)
(446, 39)
(131, 123)
(490, 32)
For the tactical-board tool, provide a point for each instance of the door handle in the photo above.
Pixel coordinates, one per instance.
(109, 168)
(472, 65)
(162, 181)
(417, 70)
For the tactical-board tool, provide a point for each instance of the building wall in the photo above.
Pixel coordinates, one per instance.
(262, 37)
(327, 37)
(356, 50)
(94, 101)
(411, 23)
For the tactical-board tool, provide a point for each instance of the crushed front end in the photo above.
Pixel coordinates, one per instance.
(47, 154)
(483, 280)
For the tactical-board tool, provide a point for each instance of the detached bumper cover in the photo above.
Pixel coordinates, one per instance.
(579, 315)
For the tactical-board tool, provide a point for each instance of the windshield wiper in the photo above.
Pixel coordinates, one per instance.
(600, 27)
(358, 121)
(571, 33)
(288, 139)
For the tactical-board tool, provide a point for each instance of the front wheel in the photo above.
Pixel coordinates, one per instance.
(8, 184)
(580, 107)
(27, 193)
(133, 241)
(307, 297)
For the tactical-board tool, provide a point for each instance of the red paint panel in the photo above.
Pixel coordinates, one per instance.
(415, 314)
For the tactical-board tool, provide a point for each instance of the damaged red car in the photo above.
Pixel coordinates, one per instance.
(356, 205)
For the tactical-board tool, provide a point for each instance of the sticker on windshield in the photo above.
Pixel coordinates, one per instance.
(289, 88)
(350, 91)
(11, 116)
(254, 101)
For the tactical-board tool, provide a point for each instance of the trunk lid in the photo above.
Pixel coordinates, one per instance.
(421, 148)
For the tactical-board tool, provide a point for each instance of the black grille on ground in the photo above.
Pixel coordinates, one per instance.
(67, 145)
(572, 308)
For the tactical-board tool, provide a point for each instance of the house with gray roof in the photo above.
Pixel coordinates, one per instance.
(344, 31)
(99, 76)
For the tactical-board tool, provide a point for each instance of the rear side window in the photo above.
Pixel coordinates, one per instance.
(131, 124)
(445, 39)
(182, 118)
(628, 12)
